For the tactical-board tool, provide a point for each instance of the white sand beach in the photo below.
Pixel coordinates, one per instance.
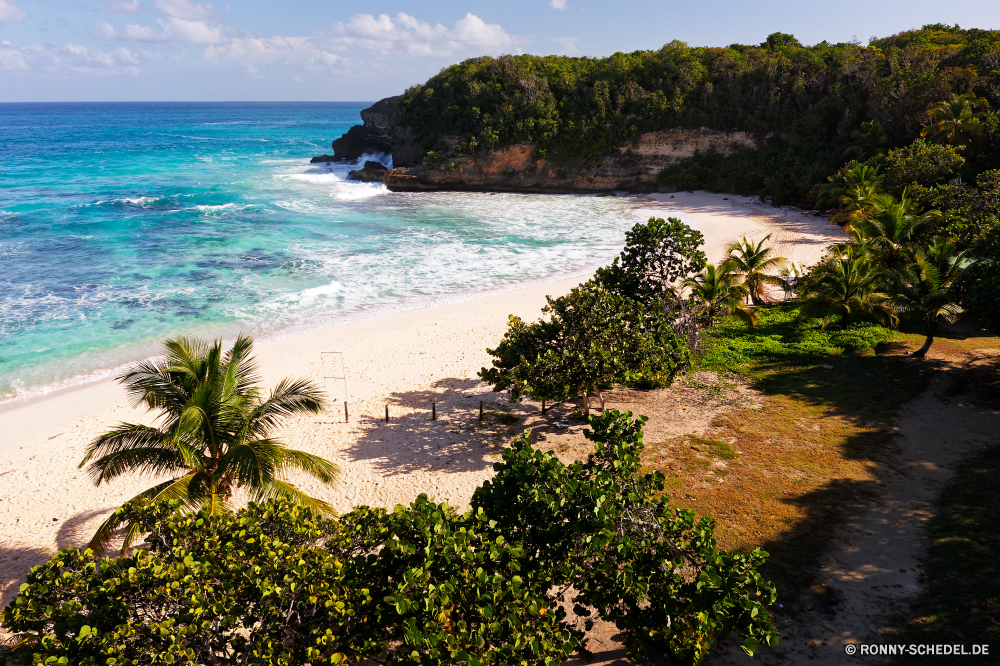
(406, 360)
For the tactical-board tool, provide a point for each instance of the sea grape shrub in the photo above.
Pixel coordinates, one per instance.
(657, 254)
(591, 339)
(276, 584)
(604, 533)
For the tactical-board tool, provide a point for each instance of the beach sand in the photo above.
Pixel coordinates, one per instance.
(406, 360)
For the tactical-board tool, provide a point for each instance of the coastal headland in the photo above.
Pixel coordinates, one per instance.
(632, 165)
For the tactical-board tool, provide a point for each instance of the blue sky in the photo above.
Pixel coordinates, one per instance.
(119, 50)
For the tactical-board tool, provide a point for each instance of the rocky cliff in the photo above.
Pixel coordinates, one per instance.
(380, 133)
(633, 165)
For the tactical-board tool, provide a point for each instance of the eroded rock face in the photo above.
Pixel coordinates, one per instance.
(632, 167)
(380, 133)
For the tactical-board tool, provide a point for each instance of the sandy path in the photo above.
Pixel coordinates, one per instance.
(873, 573)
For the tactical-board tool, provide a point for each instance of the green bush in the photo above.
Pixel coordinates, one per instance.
(276, 584)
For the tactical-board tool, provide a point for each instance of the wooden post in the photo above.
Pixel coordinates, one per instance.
(480, 410)
(387, 413)
(346, 416)
(434, 411)
(543, 406)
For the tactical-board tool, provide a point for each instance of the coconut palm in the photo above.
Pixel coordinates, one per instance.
(956, 120)
(844, 283)
(868, 141)
(752, 261)
(720, 291)
(213, 434)
(927, 286)
(852, 191)
(891, 228)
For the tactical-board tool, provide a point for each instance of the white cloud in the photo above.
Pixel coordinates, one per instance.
(184, 9)
(11, 59)
(415, 37)
(191, 32)
(173, 30)
(123, 6)
(559, 4)
(253, 52)
(10, 12)
(568, 44)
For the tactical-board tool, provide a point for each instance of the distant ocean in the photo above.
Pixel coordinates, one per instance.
(123, 224)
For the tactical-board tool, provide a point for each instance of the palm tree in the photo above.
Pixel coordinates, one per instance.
(852, 191)
(956, 120)
(750, 260)
(927, 286)
(720, 291)
(844, 283)
(869, 141)
(891, 227)
(215, 433)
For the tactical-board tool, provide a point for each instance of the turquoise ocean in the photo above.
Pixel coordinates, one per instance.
(123, 224)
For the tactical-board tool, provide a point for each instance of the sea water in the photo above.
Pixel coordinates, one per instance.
(124, 224)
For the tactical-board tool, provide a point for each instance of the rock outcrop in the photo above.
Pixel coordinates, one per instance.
(374, 172)
(632, 166)
(380, 134)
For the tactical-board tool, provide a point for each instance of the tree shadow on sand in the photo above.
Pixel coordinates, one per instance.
(457, 441)
(16, 562)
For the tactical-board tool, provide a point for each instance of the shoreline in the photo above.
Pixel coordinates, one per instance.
(406, 360)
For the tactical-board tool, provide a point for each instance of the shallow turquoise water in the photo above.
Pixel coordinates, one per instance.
(123, 224)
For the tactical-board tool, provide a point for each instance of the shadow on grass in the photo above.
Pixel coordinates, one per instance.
(961, 601)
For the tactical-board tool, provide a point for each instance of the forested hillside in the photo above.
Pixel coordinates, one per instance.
(807, 103)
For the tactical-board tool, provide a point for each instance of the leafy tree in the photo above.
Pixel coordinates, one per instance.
(604, 533)
(980, 283)
(215, 433)
(956, 120)
(920, 163)
(720, 291)
(592, 339)
(279, 584)
(752, 261)
(845, 283)
(657, 255)
(928, 286)
(891, 229)
(867, 142)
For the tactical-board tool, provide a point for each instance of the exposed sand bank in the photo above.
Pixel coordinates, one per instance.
(407, 360)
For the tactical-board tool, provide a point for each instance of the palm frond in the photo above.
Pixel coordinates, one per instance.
(278, 489)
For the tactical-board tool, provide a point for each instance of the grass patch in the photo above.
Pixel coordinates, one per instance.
(961, 601)
(806, 461)
(782, 339)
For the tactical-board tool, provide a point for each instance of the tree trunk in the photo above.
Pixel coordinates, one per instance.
(931, 328)
(600, 396)
(586, 403)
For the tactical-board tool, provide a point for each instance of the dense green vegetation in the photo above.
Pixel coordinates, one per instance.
(278, 584)
(812, 102)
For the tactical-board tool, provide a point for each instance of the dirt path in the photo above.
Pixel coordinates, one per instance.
(874, 572)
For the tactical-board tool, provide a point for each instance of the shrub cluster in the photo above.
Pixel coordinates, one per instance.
(423, 584)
